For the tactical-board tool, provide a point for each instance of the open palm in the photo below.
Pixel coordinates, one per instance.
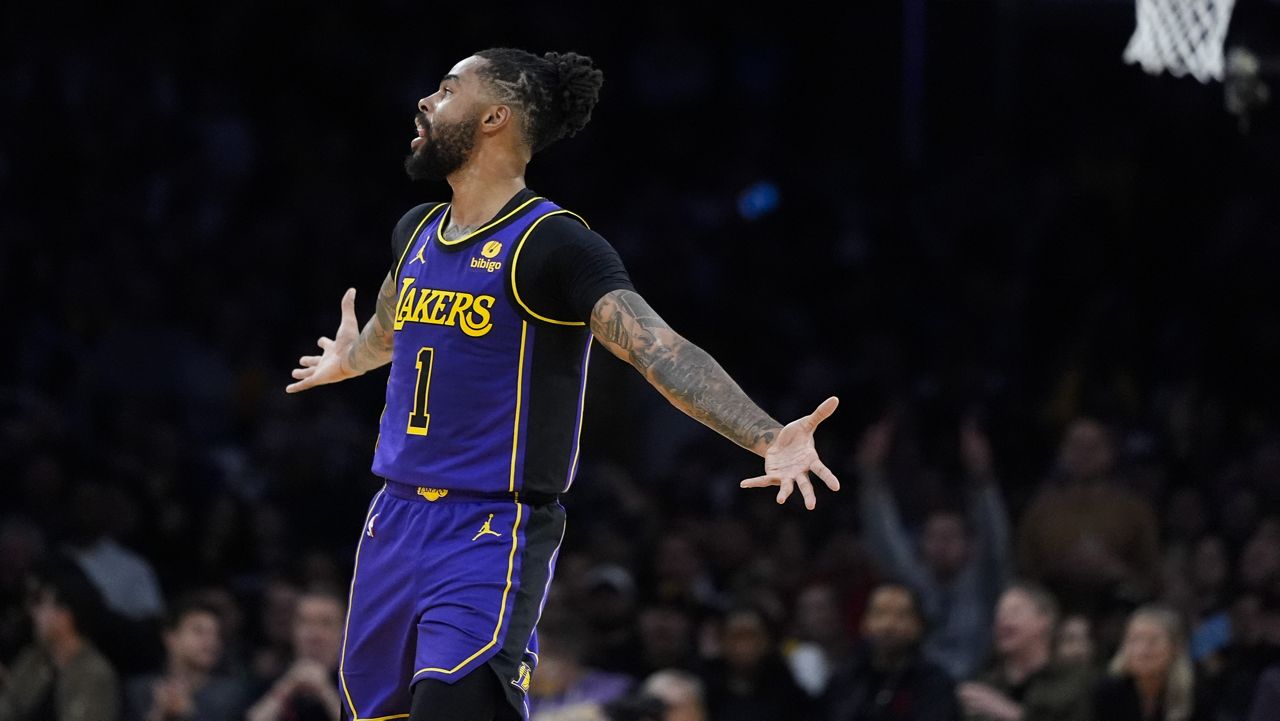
(792, 456)
(315, 370)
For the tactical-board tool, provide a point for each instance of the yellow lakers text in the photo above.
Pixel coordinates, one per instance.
(470, 313)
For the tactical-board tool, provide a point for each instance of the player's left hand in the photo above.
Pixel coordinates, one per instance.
(791, 457)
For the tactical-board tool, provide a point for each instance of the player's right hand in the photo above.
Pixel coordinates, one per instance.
(330, 366)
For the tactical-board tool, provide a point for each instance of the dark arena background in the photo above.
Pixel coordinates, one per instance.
(1043, 283)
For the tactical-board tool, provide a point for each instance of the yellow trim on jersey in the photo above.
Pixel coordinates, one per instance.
(472, 234)
(582, 403)
(502, 610)
(351, 596)
(407, 246)
(515, 258)
(515, 434)
(385, 718)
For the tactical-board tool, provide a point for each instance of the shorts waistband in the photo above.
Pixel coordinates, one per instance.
(441, 495)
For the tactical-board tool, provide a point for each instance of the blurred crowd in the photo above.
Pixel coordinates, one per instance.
(1041, 282)
(1091, 602)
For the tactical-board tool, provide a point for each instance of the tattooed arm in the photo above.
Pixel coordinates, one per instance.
(695, 383)
(350, 354)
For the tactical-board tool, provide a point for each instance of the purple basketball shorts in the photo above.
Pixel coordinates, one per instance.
(445, 582)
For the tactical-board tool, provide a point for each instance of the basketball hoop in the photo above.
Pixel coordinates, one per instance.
(1181, 37)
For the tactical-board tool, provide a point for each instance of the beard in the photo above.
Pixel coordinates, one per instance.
(445, 150)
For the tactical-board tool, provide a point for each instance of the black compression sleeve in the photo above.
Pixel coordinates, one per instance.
(564, 268)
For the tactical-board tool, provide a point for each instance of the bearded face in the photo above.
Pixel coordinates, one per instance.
(441, 148)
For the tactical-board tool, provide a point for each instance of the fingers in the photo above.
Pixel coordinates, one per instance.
(784, 490)
(303, 373)
(825, 474)
(822, 412)
(806, 490)
(348, 309)
(325, 343)
(759, 482)
(788, 485)
(307, 361)
(301, 385)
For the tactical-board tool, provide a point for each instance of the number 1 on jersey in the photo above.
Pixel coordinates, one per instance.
(419, 419)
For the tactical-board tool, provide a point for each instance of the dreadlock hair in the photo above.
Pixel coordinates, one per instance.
(557, 91)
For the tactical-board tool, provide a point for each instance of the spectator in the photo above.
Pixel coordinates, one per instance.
(1210, 574)
(667, 638)
(751, 682)
(1151, 677)
(889, 679)
(126, 580)
(1085, 537)
(680, 574)
(1073, 642)
(681, 695)
(63, 676)
(1266, 700)
(308, 689)
(277, 609)
(1259, 566)
(1025, 684)
(607, 597)
(629, 708)
(561, 683)
(189, 689)
(819, 642)
(1231, 676)
(231, 626)
(961, 562)
(22, 546)
(1208, 606)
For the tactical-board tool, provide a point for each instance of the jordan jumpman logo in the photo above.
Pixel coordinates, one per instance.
(486, 530)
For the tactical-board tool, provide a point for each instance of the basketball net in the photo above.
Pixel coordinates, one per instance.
(1181, 37)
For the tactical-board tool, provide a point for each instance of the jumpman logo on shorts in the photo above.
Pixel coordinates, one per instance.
(485, 530)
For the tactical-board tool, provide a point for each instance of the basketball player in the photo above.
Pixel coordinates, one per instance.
(487, 318)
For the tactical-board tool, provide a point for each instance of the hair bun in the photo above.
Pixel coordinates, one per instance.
(578, 84)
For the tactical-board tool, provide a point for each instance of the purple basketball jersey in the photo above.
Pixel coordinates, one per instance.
(463, 377)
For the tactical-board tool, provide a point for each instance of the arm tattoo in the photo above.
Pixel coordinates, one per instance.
(684, 373)
(373, 348)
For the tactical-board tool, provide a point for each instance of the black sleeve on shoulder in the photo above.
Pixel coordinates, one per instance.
(565, 267)
(402, 235)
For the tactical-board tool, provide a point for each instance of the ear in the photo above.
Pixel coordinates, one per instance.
(495, 118)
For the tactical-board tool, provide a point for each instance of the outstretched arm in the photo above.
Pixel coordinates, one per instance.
(349, 354)
(682, 372)
(694, 382)
(986, 507)
(881, 520)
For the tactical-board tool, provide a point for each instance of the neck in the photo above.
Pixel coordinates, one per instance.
(65, 648)
(1021, 664)
(482, 187)
(888, 661)
(1149, 688)
(1091, 481)
(195, 678)
(945, 575)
